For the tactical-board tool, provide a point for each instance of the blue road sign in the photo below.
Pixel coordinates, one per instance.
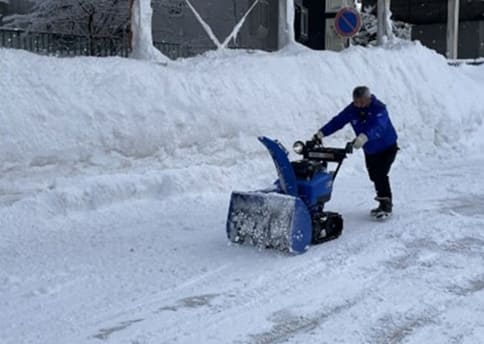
(347, 22)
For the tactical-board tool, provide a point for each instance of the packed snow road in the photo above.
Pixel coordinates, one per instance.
(147, 270)
(115, 178)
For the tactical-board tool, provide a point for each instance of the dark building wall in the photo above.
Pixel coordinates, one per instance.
(261, 31)
(481, 45)
(471, 38)
(173, 21)
(429, 19)
(471, 31)
(316, 24)
(431, 11)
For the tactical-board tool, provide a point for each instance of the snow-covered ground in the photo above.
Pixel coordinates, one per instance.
(116, 175)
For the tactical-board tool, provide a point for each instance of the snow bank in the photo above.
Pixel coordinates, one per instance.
(210, 109)
(115, 176)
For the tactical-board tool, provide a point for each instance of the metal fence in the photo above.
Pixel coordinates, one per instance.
(63, 45)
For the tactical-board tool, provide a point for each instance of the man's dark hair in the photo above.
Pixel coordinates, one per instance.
(361, 92)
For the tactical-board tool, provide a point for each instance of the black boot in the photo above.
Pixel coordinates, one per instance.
(384, 209)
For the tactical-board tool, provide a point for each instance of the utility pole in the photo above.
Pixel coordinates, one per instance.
(452, 29)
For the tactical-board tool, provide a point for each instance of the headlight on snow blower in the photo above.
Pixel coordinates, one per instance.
(298, 147)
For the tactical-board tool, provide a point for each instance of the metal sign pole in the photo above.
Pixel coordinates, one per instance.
(452, 29)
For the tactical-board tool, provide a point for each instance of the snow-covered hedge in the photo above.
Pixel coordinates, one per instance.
(368, 33)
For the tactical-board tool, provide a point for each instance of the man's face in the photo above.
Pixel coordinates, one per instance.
(362, 102)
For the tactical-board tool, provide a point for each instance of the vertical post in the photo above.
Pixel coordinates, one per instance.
(290, 14)
(388, 20)
(286, 23)
(282, 36)
(452, 29)
(380, 22)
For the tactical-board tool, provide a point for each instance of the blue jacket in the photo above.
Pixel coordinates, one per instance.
(373, 121)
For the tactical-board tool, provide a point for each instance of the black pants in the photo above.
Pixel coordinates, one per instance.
(378, 166)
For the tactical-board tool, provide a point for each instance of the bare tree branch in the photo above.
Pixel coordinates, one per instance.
(107, 18)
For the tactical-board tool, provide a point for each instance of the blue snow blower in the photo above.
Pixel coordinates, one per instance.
(290, 216)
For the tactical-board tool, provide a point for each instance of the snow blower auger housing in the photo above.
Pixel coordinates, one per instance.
(290, 216)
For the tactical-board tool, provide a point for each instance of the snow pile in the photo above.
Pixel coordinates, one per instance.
(81, 133)
(56, 110)
(475, 72)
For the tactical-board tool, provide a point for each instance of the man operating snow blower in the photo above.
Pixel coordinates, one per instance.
(375, 133)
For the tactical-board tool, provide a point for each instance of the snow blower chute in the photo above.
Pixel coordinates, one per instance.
(290, 216)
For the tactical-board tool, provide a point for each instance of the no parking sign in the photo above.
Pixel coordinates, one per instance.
(347, 22)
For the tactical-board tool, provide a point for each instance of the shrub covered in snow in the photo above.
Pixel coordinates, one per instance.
(86, 18)
(368, 33)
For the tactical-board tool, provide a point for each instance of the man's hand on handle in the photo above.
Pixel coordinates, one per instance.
(318, 137)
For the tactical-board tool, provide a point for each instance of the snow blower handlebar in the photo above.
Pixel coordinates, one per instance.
(314, 150)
